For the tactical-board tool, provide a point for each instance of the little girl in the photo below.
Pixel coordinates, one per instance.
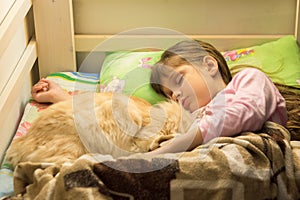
(196, 75)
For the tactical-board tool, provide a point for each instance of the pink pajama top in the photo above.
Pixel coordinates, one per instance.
(248, 101)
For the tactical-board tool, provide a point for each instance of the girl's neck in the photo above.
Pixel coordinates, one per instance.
(216, 84)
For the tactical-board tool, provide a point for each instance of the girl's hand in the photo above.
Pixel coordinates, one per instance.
(46, 91)
(185, 142)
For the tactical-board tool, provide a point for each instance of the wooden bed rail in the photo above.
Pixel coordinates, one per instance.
(17, 59)
(87, 43)
(10, 25)
(12, 101)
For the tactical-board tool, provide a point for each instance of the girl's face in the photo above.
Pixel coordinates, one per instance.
(187, 86)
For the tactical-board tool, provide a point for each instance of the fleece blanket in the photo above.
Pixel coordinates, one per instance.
(261, 165)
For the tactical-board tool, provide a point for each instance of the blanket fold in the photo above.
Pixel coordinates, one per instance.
(261, 165)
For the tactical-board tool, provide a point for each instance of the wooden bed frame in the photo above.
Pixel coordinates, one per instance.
(39, 37)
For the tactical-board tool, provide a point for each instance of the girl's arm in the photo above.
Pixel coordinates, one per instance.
(247, 102)
(184, 142)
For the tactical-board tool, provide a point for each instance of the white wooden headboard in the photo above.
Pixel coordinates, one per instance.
(58, 34)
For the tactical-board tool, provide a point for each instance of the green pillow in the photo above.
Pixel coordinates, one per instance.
(279, 59)
(129, 73)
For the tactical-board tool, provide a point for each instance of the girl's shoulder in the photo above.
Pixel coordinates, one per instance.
(250, 72)
(250, 77)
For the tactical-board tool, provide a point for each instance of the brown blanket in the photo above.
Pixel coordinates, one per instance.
(262, 165)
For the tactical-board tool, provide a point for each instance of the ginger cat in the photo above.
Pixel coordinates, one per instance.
(103, 123)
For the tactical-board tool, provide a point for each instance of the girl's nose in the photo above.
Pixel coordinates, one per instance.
(176, 95)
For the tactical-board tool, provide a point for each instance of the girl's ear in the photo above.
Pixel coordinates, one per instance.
(211, 65)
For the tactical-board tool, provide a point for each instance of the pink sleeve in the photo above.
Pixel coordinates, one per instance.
(248, 101)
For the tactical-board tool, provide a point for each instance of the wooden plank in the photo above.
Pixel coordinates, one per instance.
(55, 35)
(190, 17)
(29, 25)
(5, 5)
(12, 21)
(14, 97)
(87, 43)
(23, 67)
(11, 56)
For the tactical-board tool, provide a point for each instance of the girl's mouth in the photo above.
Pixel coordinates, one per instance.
(184, 103)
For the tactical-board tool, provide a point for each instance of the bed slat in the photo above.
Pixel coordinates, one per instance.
(12, 21)
(102, 43)
(15, 96)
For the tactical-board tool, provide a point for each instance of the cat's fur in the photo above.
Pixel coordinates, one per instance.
(107, 123)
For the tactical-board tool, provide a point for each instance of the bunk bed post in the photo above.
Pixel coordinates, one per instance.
(54, 32)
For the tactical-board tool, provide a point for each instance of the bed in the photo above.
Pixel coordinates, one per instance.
(71, 41)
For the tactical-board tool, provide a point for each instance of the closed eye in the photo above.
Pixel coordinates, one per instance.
(179, 79)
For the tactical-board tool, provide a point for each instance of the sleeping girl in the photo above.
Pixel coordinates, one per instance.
(196, 75)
